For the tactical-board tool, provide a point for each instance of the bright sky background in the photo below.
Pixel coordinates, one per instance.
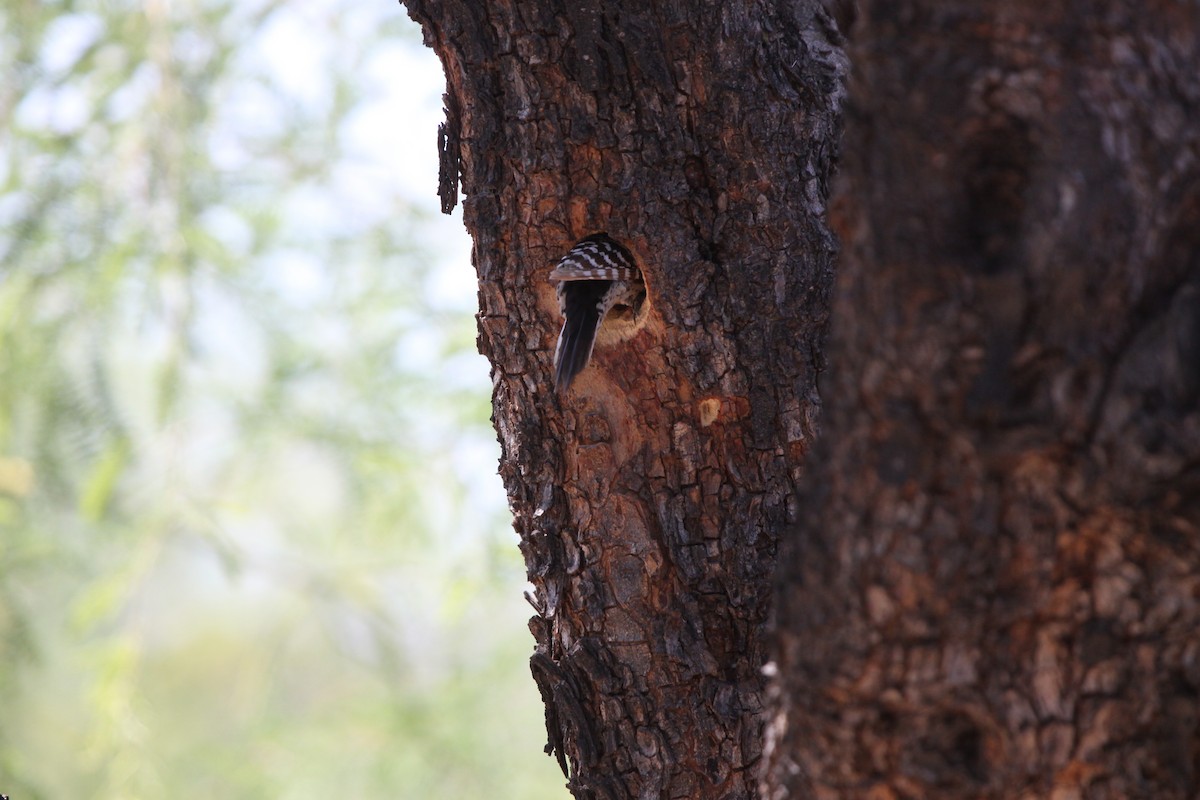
(391, 138)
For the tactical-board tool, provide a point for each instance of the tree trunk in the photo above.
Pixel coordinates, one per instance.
(651, 498)
(996, 590)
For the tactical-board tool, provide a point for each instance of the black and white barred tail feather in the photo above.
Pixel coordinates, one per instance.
(596, 274)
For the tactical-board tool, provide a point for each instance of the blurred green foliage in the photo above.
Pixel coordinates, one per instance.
(251, 541)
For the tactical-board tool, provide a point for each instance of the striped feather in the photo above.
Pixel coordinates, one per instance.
(596, 258)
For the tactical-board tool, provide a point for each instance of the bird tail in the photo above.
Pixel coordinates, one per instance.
(575, 344)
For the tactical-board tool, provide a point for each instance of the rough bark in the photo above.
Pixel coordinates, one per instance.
(651, 499)
(997, 591)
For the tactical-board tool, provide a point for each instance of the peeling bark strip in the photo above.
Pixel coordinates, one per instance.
(996, 593)
(449, 155)
(650, 500)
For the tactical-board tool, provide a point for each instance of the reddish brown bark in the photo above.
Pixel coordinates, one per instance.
(996, 590)
(991, 582)
(651, 499)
